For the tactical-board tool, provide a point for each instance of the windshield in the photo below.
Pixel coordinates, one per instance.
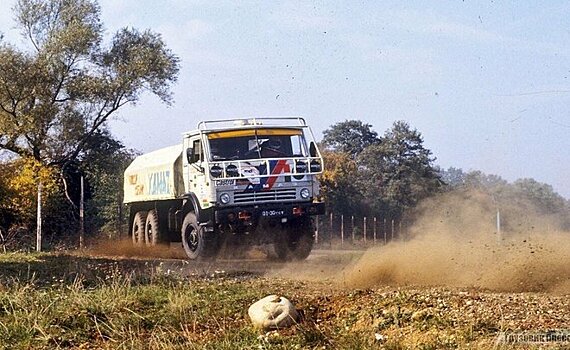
(252, 144)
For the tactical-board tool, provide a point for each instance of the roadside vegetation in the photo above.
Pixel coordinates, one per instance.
(63, 301)
(58, 90)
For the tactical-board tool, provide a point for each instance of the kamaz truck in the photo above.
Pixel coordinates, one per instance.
(232, 183)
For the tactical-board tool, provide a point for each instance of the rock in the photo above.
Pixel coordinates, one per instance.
(272, 312)
(379, 337)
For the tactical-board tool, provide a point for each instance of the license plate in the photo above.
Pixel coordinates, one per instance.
(271, 213)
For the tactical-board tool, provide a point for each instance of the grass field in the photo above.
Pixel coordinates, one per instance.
(50, 301)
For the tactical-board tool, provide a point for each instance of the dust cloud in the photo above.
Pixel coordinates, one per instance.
(454, 242)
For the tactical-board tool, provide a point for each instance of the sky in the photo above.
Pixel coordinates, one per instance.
(485, 82)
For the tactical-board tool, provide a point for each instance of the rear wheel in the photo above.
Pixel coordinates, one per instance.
(196, 242)
(152, 233)
(137, 232)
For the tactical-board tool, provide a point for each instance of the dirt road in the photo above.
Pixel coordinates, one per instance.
(321, 264)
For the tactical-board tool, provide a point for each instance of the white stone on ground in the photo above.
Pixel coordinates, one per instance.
(272, 312)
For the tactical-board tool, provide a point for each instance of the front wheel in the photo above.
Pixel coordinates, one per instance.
(295, 241)
(197, 243)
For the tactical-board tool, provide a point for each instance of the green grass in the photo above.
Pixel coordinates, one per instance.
(63, 301)
(113, 310)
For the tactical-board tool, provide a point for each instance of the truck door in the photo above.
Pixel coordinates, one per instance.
(195, 166)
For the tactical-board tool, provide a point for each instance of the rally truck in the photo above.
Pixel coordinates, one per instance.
(232, 183)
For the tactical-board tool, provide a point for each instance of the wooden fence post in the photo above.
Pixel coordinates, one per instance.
(317, 229)
(331, 231)
(39, 219)
(374, 230)
(352, 228)
(341, 229)
(364, 229)
(81, 216)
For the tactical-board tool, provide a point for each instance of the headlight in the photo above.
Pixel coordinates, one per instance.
(232, 171)
(225, 198)
(316, 166)
(216, 171)
(301, 167)
(305, 193)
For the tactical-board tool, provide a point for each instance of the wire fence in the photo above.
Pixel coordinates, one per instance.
(356, 231)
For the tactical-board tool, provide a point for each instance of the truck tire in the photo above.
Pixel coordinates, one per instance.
(152, 233)
(295, 241)
(197, 244)
(138, 229)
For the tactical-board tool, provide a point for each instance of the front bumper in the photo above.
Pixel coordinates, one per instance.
(269, 211)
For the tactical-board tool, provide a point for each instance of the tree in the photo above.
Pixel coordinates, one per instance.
(541, 195)
(452, 177)
(58, 92)
(398, 172)
(338, 186)
(55, 96)
(103, 165)
(350, 136)
(20, 185)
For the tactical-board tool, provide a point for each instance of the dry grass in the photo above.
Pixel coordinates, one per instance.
(62, 301)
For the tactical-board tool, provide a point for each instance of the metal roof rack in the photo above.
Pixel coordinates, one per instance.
(251, 121)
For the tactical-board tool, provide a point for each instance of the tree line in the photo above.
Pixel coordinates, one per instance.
(371, 174)
(387, 175)
(58, 93)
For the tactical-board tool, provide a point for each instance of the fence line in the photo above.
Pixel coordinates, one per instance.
(334, 229)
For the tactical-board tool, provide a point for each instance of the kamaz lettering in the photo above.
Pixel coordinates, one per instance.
(158, 183)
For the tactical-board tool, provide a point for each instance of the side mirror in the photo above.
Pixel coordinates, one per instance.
(313, 149)
(189, 153)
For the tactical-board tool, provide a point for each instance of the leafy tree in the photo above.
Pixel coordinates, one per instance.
(456, 178)
(55, 96)
(398, 172)
(453, 177)
(103, 164)
(542, 195)
(20, 186)
(350, 136)
(338, 185)
(492, 183)
(524, 204)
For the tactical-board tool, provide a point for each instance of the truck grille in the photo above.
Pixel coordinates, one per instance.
(266, 196)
